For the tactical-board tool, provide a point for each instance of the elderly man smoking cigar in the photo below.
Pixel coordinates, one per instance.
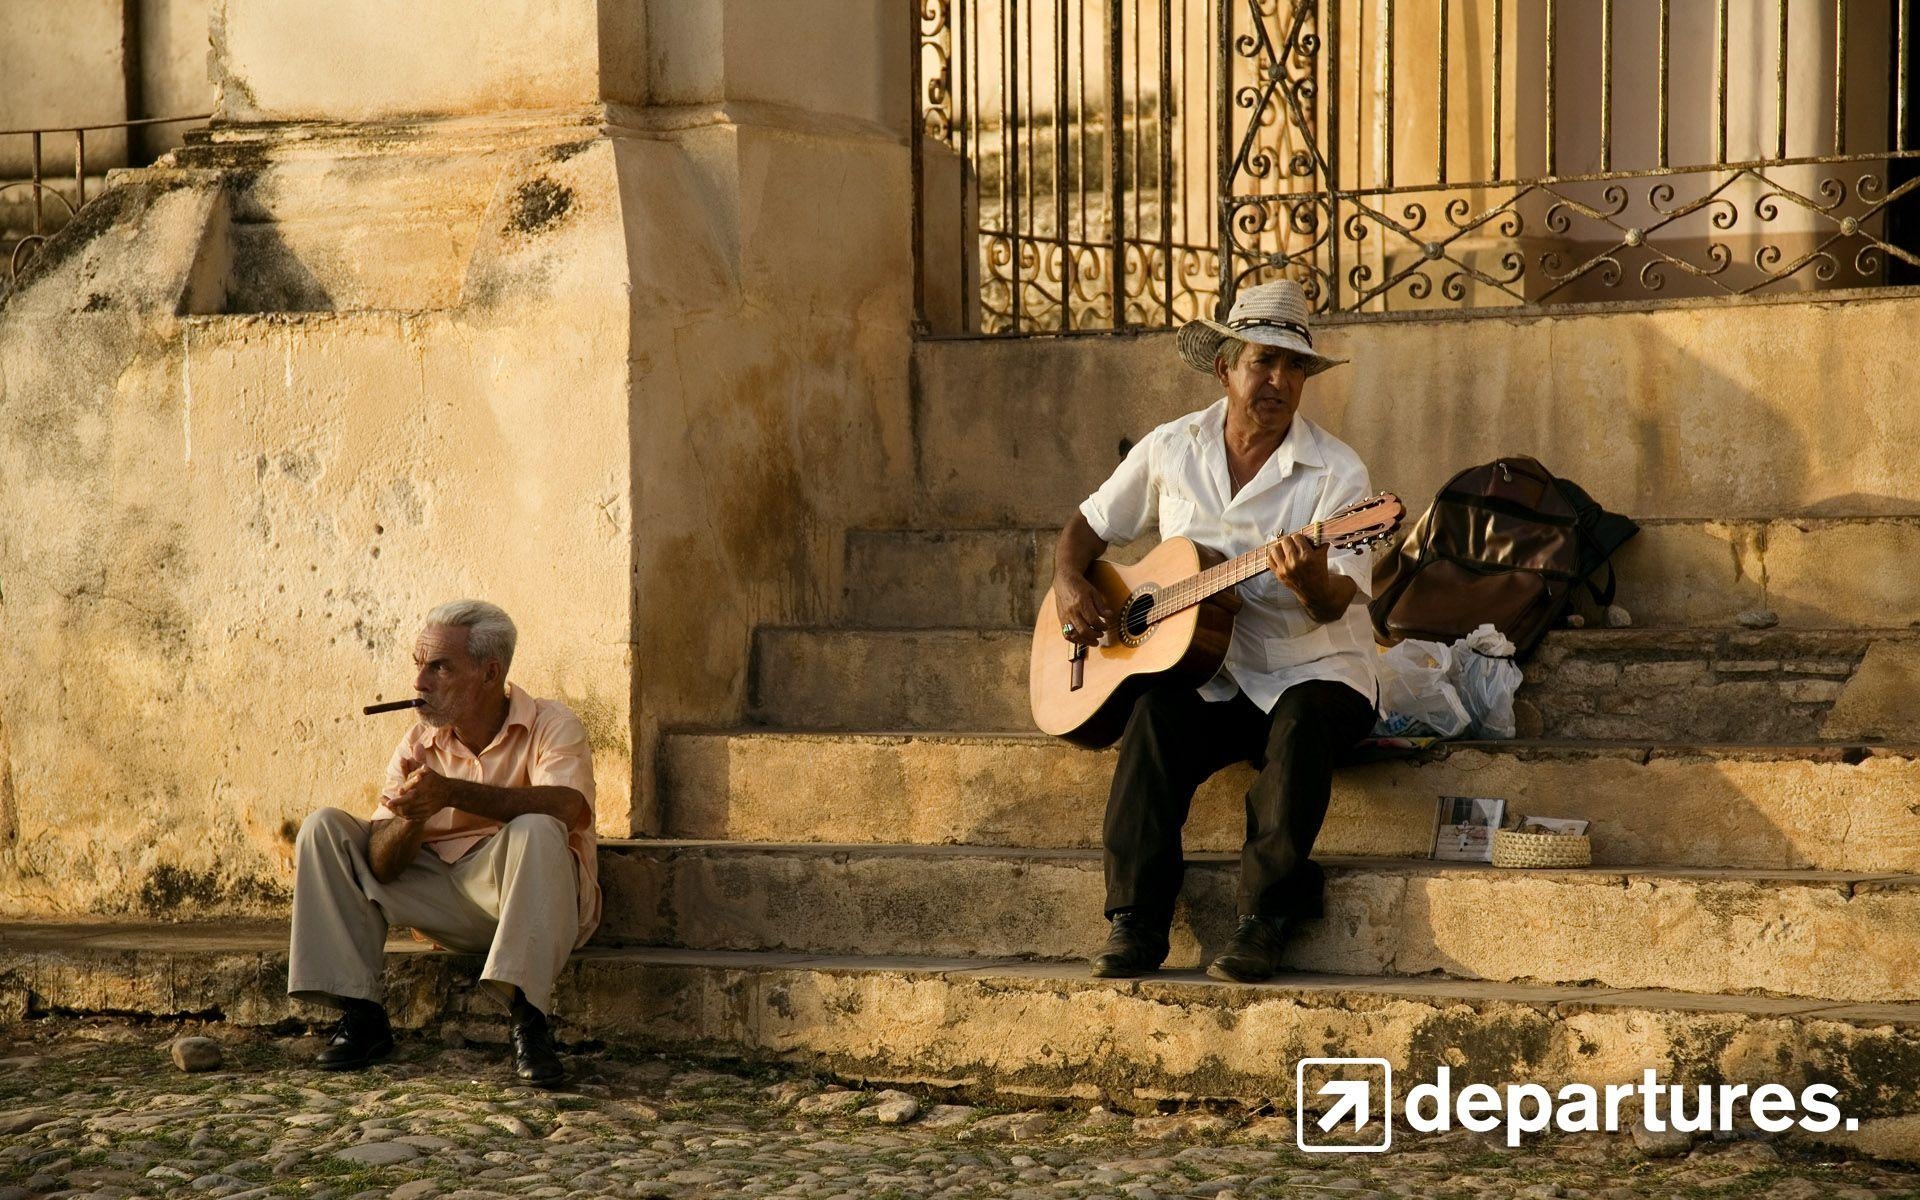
(483, 842)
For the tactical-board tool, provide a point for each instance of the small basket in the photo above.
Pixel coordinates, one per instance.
(1511, 848)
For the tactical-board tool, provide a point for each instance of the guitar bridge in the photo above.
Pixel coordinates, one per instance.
(1079, 670)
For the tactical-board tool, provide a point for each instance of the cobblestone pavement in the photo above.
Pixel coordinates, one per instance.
(101, 1110)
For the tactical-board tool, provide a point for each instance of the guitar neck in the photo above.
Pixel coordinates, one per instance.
(1216, 579)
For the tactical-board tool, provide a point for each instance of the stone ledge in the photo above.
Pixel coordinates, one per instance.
(1633, 684)
(1679, 571)
(1813, 933)
(1653, 804)
(1040, 1031)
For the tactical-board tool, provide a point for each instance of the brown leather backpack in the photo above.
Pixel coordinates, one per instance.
(1504, 543)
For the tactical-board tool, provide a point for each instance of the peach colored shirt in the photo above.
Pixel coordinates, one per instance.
(542, 743)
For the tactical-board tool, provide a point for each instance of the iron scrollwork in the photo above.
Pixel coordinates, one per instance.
(1361, 245)
(1078, 227)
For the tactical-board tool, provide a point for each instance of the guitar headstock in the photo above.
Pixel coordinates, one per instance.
(1362, 523)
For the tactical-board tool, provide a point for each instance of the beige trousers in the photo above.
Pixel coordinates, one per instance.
(513, 898)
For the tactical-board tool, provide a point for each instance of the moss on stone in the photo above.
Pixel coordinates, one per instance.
(169, 890)
(538, 204)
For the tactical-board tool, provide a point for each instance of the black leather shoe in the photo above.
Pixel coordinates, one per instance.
(361, 1037)
(1136, 946)
(535, 1060)
(1254, 953)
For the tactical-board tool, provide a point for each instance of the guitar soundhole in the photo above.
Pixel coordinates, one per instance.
(1134, 622)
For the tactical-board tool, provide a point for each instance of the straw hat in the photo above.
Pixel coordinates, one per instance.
(1273, 314)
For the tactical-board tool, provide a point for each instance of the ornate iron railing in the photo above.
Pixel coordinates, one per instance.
(1066, 155)
(44, 193)
(1392, 156)
(1555, 152)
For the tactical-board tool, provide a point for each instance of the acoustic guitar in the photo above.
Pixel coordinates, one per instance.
(1174, 617)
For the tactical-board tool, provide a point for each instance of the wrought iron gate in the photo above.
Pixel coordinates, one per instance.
(1082, 164)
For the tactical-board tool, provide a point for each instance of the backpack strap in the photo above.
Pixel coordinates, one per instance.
(1603, 596)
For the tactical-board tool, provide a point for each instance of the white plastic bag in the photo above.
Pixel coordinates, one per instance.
(1485, 677)
(1417, 694)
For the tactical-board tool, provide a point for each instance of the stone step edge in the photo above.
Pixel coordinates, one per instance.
(1692, 930)
(1017, 529)
(1023, 1033)
(1692, 633)
(60, 944)
(1850, 753)
(1796, 877)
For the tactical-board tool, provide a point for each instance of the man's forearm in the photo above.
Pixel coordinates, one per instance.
(393, 846)
(1077, 547)
(505, 803)
(396, 842)
(1330, 601)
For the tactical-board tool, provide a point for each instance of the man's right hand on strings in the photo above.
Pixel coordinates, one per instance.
(1083, 611)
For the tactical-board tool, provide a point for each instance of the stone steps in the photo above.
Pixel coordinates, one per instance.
(1831, 935)
(819, 678)
(1766, 686)
(1019, 430)
(1759, 807)
(1776, 685)
(993, 1027)
(1811, 573)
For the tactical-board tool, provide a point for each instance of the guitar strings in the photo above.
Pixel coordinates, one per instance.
(1162, 611)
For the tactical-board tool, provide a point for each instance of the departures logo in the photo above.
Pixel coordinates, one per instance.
(1359, 1091)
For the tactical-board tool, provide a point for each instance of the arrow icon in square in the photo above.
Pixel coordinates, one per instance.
(1352, 1095)
(1345, 1098)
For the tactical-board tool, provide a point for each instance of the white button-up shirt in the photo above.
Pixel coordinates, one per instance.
(1177, 477)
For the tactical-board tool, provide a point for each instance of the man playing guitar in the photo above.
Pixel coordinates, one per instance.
(1297, 686)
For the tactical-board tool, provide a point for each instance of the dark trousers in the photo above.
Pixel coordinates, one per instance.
(1175, 740)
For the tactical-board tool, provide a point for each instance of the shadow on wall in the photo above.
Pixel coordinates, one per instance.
(269, 276)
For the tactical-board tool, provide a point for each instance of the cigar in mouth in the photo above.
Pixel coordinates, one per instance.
(392, 706)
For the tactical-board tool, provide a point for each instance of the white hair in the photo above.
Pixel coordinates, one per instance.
(1230, 349)
(490, 631)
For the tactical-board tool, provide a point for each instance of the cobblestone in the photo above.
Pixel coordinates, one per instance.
(98, 1110)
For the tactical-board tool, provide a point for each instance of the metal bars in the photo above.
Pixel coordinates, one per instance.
(19, 248)
(1902, 54)
(1116, 170)
(1780, 86)
(1099, 154)
(1666, 36)
(1166, 156)
(1060, 174)
(1632, 191)
(1440, 98)
(1388, 86)
(1840, 77)
(1720, 83)
(1082, 134)
(1606, 85)
(1553, 60)
(1499, 81)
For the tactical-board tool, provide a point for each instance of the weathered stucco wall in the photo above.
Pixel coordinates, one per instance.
(221, 529)
(628, 371)
(838, 59)
(367, 60)
(770, 401)
(173, 77)
(88, 62)
(1721, 410)
(64, 64)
